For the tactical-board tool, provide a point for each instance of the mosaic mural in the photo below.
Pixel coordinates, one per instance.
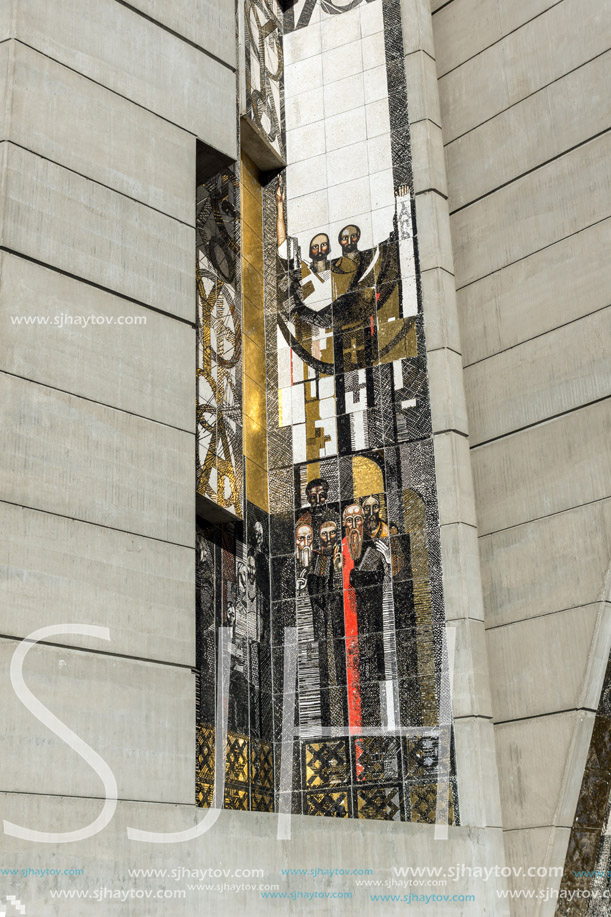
(264, 67)
(219, 343)
(336, 553)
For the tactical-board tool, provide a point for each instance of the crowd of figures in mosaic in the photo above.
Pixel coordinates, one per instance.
(341, 566)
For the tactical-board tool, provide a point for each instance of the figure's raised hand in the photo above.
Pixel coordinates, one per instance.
(383, 548)
(280, 190)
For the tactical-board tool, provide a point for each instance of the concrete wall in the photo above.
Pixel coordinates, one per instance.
(525, 118)
(476, 765)
(101, 107)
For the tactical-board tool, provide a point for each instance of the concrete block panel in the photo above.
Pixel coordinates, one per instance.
(62, 219)
(55, 570)
(545, 469)
(547, 205)
(167, 75)
(566, 113)
(556, 562)
(558, 645)
(89, 129)
(448, 408)
(530, 847)
(433, 228)
(536, 294)
(548, 375)
(463, 28)
(6, 19)
(73, 457)
(145, 368)
(471, 689)
(138, 716)
(6, 80)
(427, 157)
(417, 26)
(480, 803)
(422, 91)
(454, 479)
(538, 788)
(440, 310)
(526, 60)
(461, 572)
(239, 840)
(210, 24)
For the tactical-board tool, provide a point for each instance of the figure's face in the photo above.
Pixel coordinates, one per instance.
(242, 576)
(371, 512)
(319, 247)
(317, 496)
(304, 537)
(328, 537)
(258, 534)
(353, 526)
(349, 238)
(252, 570)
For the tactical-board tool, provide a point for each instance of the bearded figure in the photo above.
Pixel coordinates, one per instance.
(327, 565)
(364, 569)
(324, 587)
(374, 526)
(304, 540)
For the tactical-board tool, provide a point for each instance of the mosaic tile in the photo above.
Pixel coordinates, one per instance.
(379, 759)
(331, 804)
(382, 803)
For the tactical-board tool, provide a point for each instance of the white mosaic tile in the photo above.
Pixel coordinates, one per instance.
(347, 163)
(345, 129)
(303, 73)
(285, 413)
(299, 442)
(342, 62)
(308, 210)
(382, 223)
(375, 84)
(344, 95)
(378, 118)
(342, 198)
(381, 189)
(303, 109)
(379, 153)
(340, 30)
(307, 175)
(374, 54)
(298, 404)
(326, 387)
(371, 18)
(301, 44)
(306, 142)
